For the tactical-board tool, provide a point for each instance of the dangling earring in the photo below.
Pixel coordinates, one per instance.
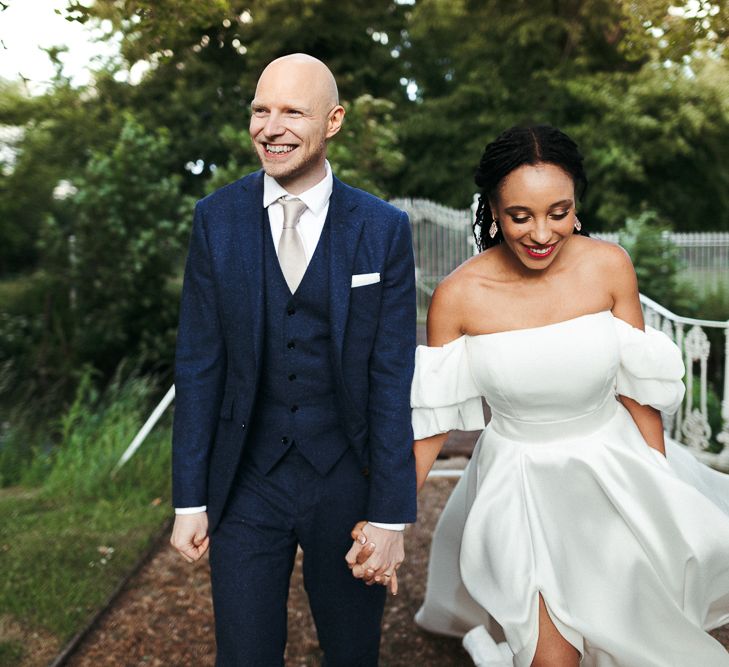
(494, 229)
(578, 224)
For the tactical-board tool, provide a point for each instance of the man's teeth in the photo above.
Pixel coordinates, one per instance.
(279, 149)
(540, 251)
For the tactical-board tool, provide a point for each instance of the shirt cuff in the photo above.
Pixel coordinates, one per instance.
(388, 526)
(191, 510)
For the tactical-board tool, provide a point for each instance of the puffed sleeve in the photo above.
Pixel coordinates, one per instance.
(444, 395)
(651, 368)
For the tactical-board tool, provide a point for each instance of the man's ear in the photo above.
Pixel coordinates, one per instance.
(335, 120)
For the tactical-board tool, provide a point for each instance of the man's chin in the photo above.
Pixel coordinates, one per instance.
(278, 170)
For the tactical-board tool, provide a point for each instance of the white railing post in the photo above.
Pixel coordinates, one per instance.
(723, 436)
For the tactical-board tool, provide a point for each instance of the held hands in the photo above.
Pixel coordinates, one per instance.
(190, 535)
(376, 555)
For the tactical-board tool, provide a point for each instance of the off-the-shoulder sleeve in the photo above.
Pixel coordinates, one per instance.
(651, 368)
(444, 395)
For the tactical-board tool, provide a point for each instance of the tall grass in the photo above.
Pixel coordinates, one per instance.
(94, 432)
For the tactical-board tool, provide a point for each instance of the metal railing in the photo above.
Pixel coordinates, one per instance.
(691, 425)
(703, 258)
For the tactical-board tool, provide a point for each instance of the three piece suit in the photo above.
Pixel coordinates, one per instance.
(292, 417)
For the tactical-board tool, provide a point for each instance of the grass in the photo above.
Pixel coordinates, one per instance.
(61, 560)
(10, 652)
(70, 532)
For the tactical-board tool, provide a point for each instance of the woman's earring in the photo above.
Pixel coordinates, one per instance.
(494, 229)
(578, 224)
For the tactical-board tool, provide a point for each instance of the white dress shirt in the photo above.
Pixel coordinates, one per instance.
(309, 228)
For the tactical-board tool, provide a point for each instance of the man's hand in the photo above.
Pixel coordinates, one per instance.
(375, 556)
(190, 535)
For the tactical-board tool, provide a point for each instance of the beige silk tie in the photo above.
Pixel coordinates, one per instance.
(291, 255)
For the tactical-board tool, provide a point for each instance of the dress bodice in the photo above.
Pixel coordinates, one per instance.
(550, 377)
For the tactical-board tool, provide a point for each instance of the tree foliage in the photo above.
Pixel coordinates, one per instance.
(641, 89)
(112, 249)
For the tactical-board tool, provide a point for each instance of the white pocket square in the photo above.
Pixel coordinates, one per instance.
(360, 279)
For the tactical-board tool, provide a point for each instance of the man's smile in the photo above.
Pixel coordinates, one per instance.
(278, 149)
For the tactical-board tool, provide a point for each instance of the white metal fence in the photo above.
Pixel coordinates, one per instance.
(442, 240)
(703, 258)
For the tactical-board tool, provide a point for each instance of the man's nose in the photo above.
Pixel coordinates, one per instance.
(273, 126)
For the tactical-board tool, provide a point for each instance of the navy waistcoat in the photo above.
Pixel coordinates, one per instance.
(296, 406)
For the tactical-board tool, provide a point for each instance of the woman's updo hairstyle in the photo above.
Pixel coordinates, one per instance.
(510, 150)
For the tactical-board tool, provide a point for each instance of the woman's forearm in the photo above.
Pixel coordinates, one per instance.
(426, 452)
(649, 423)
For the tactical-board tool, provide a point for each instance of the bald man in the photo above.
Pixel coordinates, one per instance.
(294, 360)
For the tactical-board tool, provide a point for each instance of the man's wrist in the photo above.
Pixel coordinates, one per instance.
(388, 526)
(191, 510)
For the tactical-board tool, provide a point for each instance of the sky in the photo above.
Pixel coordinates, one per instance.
(28, 25)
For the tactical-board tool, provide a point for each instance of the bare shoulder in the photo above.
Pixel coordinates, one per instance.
(448, 309)
(448, 295)
(458, 285)
(605, 257)
(609, 267)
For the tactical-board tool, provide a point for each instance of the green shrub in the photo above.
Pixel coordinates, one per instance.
(113, 249)
(656, 261)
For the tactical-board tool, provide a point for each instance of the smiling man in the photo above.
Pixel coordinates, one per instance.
(294, 361)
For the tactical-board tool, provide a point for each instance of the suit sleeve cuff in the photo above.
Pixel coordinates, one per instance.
(387, 526)
(191, 510)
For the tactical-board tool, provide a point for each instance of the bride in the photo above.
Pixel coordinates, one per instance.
(576, 527)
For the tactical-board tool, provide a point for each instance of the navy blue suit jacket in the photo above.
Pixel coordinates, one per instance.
(220, 344)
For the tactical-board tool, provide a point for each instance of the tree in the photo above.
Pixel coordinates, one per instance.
(47, 138)
(649, 112)
(113, 252)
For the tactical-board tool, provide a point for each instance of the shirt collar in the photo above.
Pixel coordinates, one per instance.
(315, 198)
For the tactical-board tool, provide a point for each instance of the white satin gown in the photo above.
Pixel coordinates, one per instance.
(563, 497)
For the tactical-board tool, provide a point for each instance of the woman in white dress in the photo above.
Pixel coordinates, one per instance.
(576, 527)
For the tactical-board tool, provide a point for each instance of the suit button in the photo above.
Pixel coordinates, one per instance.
(291, 310)
(284, 441)
(294, 408)
(366, 472)
(292, 377)
(291, 344)
(243, 425)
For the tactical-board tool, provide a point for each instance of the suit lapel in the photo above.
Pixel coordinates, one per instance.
(345, 228)
(253, 216)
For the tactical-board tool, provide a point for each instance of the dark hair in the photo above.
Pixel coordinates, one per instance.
(513, 148)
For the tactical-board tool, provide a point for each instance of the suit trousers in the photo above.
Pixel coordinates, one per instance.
(252, 554)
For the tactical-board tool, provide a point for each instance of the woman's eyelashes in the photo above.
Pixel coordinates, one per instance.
(520, 219)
